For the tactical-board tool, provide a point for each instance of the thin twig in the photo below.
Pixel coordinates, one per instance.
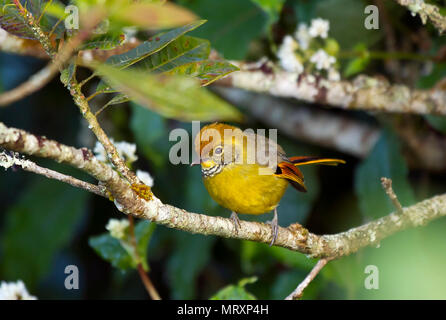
(8, 160)
(387, 185)
(298, 292)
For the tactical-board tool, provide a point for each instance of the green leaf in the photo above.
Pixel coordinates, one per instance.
(385, 160)
(13, 22)
(236, 292)
(174, 97)
(191, 255)
(143, 233)
(111, 249)
(103, 42)
(154, 44)
(207, 71)
(232, 26)
(67, 74)
(358, 64)
(117, 99)
(184, 50)
(40, 225)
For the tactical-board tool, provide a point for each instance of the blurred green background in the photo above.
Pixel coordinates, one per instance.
(46, 225)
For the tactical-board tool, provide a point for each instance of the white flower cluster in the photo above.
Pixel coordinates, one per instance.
(287, 55)
(14, 291)
(291, 57)
(126, 150)
(322, 60)
(117, 227)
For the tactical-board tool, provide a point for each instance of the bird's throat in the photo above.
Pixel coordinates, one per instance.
(212, 171)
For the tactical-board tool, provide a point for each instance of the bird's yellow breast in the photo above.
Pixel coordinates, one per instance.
(240, 188)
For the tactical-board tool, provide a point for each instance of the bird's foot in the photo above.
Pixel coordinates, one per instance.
(236, 221)
(274, 223)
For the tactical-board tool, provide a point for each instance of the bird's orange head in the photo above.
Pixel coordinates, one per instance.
(217, 145)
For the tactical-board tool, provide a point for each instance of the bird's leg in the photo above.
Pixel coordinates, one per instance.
(274, 226)
(236, 220)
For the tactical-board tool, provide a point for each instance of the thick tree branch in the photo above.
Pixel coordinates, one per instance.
(426, 11)
(363, 93)
(295, 237)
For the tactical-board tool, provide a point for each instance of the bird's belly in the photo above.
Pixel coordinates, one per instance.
(240, 188)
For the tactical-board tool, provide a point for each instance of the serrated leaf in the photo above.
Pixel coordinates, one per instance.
(13, 22)
(207, 71)
(154, 44)
(385, 160)
(37, 227)
(111, 249)
(103, 42)
(174, 97)
(184, 50)
(236, 292)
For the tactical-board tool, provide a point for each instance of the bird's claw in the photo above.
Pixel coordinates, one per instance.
(236, 221)
(274, 228)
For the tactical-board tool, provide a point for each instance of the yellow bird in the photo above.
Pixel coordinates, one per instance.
(248, 173)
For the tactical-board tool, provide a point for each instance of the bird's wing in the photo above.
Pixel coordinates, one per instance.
(294, 176)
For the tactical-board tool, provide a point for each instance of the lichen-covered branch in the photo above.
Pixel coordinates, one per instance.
(363, 93)
(426, 11)
(294, 237)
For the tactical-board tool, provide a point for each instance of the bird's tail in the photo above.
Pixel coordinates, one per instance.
(291, 172)
(300, 161)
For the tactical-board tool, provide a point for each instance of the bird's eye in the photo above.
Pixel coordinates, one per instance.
(218, 150)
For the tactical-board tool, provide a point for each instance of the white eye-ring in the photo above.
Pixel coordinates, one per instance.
(218, 150)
